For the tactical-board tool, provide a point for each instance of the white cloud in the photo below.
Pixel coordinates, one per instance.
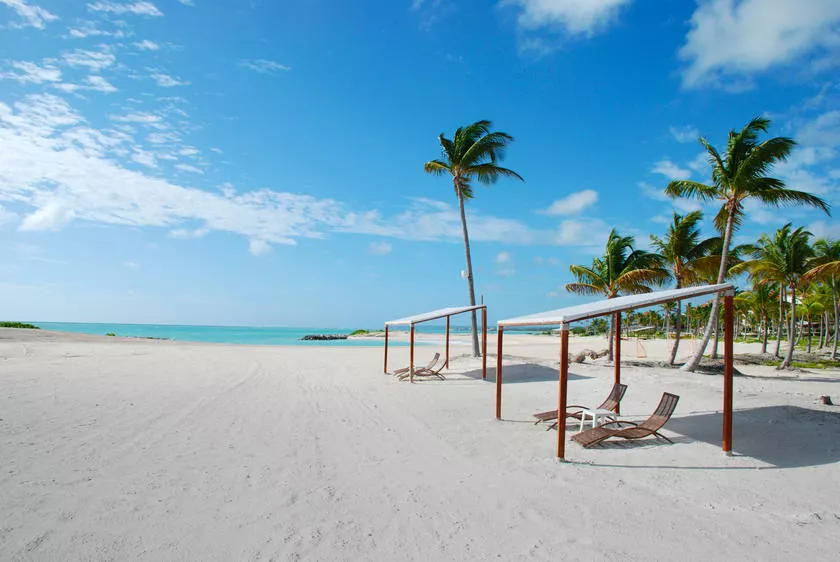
(573, 203)
(581, 232)
(136, 118)
(258, 247)
(146, 45)
(670, 170)
(167, 81)
(574, 17)
(52, 216)
(821, 229)
(264, 66)
(188, 168)
(131, 264)
(138, 8)
(185, 233)
(189, 3)
(94, 60)
(503, 257)
(90, 29)
(380, 248)
(824, 130)
(658, 194)
(33, 16)
(28, 72)
(731, 40)
(550, 261)
(684, 134)
(91, 83)
(54, 163)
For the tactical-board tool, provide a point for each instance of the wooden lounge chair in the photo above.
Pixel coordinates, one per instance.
(650, 426)
(424, 372)
(429, 366)
(574, 411)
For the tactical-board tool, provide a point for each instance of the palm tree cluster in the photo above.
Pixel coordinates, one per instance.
(794, 284)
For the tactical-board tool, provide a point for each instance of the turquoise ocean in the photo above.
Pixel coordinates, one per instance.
(227, 334)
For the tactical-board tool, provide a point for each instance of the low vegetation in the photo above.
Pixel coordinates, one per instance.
(19, 325)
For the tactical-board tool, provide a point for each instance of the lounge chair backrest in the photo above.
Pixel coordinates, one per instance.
(614, 398)
(663, 412)
(434, 361)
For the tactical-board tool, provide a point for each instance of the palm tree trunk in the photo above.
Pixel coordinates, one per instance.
(677, 327)
(780, 322)
(476, 352)
(764, 339)
(809, 333)
(693, 363)
(836, 316)
(792, 330)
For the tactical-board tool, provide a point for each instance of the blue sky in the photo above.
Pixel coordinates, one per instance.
(208, 161)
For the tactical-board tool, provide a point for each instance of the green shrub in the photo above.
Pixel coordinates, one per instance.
(19, 325)
(111, 334)
(360, 332)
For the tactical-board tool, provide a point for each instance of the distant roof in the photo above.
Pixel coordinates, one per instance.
(433, 315)
(607, 306)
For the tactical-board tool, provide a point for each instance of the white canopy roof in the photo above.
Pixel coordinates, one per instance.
(433, 315)
(607, 306)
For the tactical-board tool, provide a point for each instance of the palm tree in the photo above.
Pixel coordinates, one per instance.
(471, 154)
(621, 270)
(783, 259)
(681, 249)
(737, 175)
(761, 302)
(826, 267)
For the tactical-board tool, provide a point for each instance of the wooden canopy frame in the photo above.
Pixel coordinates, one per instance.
(565, 316)
(447, 313)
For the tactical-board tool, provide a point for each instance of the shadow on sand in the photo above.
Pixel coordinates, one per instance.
(521, 372)
(781, 436)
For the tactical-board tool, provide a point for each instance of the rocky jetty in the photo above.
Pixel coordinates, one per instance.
(324, 337)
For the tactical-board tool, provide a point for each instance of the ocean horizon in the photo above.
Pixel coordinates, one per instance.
(247, 335)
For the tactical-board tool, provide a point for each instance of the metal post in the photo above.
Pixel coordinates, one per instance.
(617, 357)
(446, 363)
(728, 307)
(501, 333)
(562, 392)
(484, 344)
(386, 348)
(411, 354)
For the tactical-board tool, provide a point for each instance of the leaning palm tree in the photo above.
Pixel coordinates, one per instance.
(621, 270)
(826, 267)
(682, 248)
(471, 154)
(782, 259)
(737, 175)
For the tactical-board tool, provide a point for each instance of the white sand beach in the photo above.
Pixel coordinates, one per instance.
(115, 449)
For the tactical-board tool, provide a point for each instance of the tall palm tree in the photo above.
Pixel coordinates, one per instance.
(783, 259)
(740, 173)
(621, 270)
(472, 154)
(826, 267)
(682, 248)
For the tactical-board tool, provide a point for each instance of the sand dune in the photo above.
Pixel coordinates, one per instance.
(115, 449)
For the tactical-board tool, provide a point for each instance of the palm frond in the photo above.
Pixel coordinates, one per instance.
(436, 167)
(583, 289)
(692, 190)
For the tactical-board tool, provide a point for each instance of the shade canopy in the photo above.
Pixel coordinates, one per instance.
(609, 306)
(432, 315)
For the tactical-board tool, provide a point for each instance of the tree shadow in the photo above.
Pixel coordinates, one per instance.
(521, 373)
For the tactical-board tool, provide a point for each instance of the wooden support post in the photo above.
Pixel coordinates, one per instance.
(446, 363)
(411, 353)
(499, 344)
(484, 344)
(562, 389)
(617, 355)
(728, 313)
(386, 348)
